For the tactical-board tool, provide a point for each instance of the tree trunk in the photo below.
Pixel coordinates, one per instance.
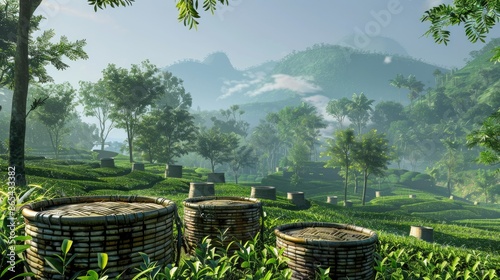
(129, 139)
(365, 183)
(17, 133)
(355, 182)
(345, 186)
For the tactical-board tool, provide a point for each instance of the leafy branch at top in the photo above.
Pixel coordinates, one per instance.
(478, 17)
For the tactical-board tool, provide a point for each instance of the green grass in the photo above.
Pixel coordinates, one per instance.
(460, 228)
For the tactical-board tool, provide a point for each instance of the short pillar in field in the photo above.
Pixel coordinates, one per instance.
(378, 194)
(173, 171)
(332, 199)
(108, 162)
(138, 166)
(216, 177)
(266, 192)
(452, 197)
(412, 196)
(348, 204)
(296, 198)
(423, 233)
(201, 189)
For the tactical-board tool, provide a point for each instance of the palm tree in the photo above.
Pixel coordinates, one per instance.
(415, 87)
(359, 111)
(399, 82)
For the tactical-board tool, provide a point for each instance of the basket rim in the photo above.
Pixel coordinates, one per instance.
(31, 213)
(193, 202)
(278, 231)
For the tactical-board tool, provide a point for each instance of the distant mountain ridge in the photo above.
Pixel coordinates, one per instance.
(331, 71)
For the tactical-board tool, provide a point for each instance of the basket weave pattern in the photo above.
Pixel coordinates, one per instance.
(121, 226)
(209, 216)
(347, 250)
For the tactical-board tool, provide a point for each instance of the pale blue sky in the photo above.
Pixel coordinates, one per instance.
(249, 31)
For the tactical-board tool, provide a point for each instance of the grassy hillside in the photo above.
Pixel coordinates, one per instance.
(465, 235)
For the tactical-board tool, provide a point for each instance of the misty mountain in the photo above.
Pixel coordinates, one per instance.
(377, 44)
(327, 71)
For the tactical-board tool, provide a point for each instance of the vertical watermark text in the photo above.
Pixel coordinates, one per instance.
(11, 202)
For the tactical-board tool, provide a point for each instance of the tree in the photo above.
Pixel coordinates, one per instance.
(488, 138)
(437, 77)
(188, 13)
(414, 86)
(451, 159)
(371, 156)
(298, 156)
(232, 121)
(300, 122)
(131, 93)
(485, 180)
(339, 149)
(215, 146)
(30, 58)
(95, 104)
(265, 140)
(338, 109)
(243, 156)
(399, 82)
(359, 111)
(386, 112)
(55, 111)
(478, 17)
(175, 96)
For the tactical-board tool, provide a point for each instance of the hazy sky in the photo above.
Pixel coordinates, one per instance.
(249, 31)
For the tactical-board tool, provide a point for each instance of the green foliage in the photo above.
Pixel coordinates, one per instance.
(43, 50)
(338, 109)
(417, 260)
(55, 111)
(215, 146)
(339, 150)
(477, 16)
(131, 92)
(487, 137)
(358, 111)
(92, 97)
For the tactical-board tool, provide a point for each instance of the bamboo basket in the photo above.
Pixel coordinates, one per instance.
(266, 192)
(121, 226)
(239, 217)
(348, 250)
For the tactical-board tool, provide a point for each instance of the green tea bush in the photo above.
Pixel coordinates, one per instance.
(56, 173)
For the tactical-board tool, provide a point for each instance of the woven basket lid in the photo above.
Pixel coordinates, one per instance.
(97, 210)
(325, 233)
(225, 202)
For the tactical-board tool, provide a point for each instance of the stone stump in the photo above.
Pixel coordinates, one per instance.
(297, 198)
(201, 189)
(137, 166)
(173, 171)
(423, 233)
(266, 192)
(332, 199)
(108, 162)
